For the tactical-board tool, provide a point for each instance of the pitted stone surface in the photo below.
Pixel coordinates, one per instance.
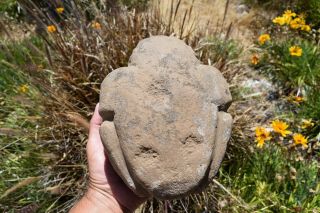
(163, 129)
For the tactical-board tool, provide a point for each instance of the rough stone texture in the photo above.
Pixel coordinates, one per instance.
(164, 128)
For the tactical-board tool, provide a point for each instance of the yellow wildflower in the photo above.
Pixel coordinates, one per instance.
(279, 20)
(289, 13)
(297, 23)
(51, 29)
(306, 28)
(300, 139)
(263, 38)
(23, 88)
(96, 25)
(255, 60)
(297, 99)
(294, 25)
(280, 127)
(306, 123)
(262, 135)
(295, 51)
(59, 10)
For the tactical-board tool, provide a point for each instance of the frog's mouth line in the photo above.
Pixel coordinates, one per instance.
(224, 107)
(109, 115)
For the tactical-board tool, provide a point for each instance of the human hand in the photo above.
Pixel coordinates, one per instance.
(106, 191)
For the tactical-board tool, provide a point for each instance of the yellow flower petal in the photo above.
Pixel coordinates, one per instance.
(264, 38)
(260, 143)
(284, 133)
(295, 51)
(59, 10)
(307, 123)
(300, 139)
(23, 88)
(262, 135)
(306, 28)
(289, 13)
(96, 25)
(280, 127)
(254, 60)
(279, 20)
(51, 29)
(297, 23)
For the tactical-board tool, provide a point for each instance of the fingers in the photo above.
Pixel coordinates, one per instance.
(95, 149)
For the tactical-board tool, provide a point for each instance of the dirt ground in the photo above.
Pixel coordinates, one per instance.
(214, 14)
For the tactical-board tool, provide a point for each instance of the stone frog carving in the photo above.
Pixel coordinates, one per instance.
(164, 127)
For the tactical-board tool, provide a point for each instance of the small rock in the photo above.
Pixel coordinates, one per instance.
(242, 9)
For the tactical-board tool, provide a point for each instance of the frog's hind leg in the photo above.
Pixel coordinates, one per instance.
(222, 136)
(111, 143)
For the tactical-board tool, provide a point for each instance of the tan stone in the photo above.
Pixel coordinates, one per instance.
(164, 128)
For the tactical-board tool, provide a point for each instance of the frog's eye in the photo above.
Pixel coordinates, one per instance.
(224, 107)
(107, 115)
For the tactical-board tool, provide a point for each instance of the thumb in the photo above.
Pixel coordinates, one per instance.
(94, 145)
(95, 124)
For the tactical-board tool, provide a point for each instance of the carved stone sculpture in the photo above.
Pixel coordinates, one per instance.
(164, 127)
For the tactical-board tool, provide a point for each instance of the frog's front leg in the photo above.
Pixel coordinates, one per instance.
(111, 143)
(222, 136)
